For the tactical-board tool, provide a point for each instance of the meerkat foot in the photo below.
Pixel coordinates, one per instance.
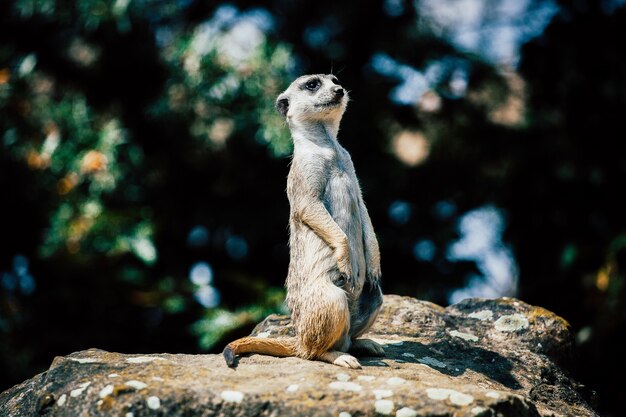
(367, 347)
(340, 359)
(347, 361)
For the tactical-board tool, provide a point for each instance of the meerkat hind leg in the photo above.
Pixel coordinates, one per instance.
(340, 359)
(370, 301)
(366, 347)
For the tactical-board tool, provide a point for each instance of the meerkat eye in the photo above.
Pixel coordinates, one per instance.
(340, 281)
(312, 85)
(335, 80)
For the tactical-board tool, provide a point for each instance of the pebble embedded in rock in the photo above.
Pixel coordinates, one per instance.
(343, 377)
(82, 387)
(406, 412)
(153, 403)
(366, 378)
(382, 393)
(232, 396)
(492, 394)
(455, 397)
(384, 407)
(438, 393)
(345, 414)
(108, 390)
(458, 398)
(138, 385)
(478, 410)
(395, 380)
(61, 401)
(292, 388)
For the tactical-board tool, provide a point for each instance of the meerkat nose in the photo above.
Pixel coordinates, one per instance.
(339, 92)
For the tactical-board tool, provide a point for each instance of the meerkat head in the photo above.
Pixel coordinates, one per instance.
(316, 97)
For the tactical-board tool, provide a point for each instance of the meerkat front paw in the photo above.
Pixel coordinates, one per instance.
(340, 359)
(367, 347)
(347, 361)
(373, 273)
(342, 254)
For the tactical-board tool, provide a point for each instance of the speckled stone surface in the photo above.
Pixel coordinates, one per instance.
(476, 358)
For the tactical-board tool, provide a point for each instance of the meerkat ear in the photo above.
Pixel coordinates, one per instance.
(282, 105)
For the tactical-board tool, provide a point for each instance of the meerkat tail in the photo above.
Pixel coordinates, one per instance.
(264, 346)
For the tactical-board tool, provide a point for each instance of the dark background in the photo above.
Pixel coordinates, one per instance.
(143, 168)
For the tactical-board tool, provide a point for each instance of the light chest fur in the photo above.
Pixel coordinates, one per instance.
(330, 163)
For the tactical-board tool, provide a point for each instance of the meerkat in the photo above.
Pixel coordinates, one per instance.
(333, 283)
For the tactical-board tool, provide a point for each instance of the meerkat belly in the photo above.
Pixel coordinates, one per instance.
(310, 259)
(342, 202)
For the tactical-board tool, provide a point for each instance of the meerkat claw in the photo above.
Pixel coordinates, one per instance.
(347, 361)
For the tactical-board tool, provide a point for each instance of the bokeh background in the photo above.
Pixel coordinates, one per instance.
(143, 167)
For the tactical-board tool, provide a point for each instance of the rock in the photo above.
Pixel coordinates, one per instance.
(477, 358)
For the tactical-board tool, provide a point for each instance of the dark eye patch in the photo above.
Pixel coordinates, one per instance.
(335, 80)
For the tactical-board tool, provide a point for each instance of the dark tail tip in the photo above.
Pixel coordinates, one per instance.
(229, 356)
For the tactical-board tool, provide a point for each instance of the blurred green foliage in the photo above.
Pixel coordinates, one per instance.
(218, 323)
(93, 174)
(85, 156)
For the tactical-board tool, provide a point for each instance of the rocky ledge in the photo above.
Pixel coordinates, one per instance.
(477, 358)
